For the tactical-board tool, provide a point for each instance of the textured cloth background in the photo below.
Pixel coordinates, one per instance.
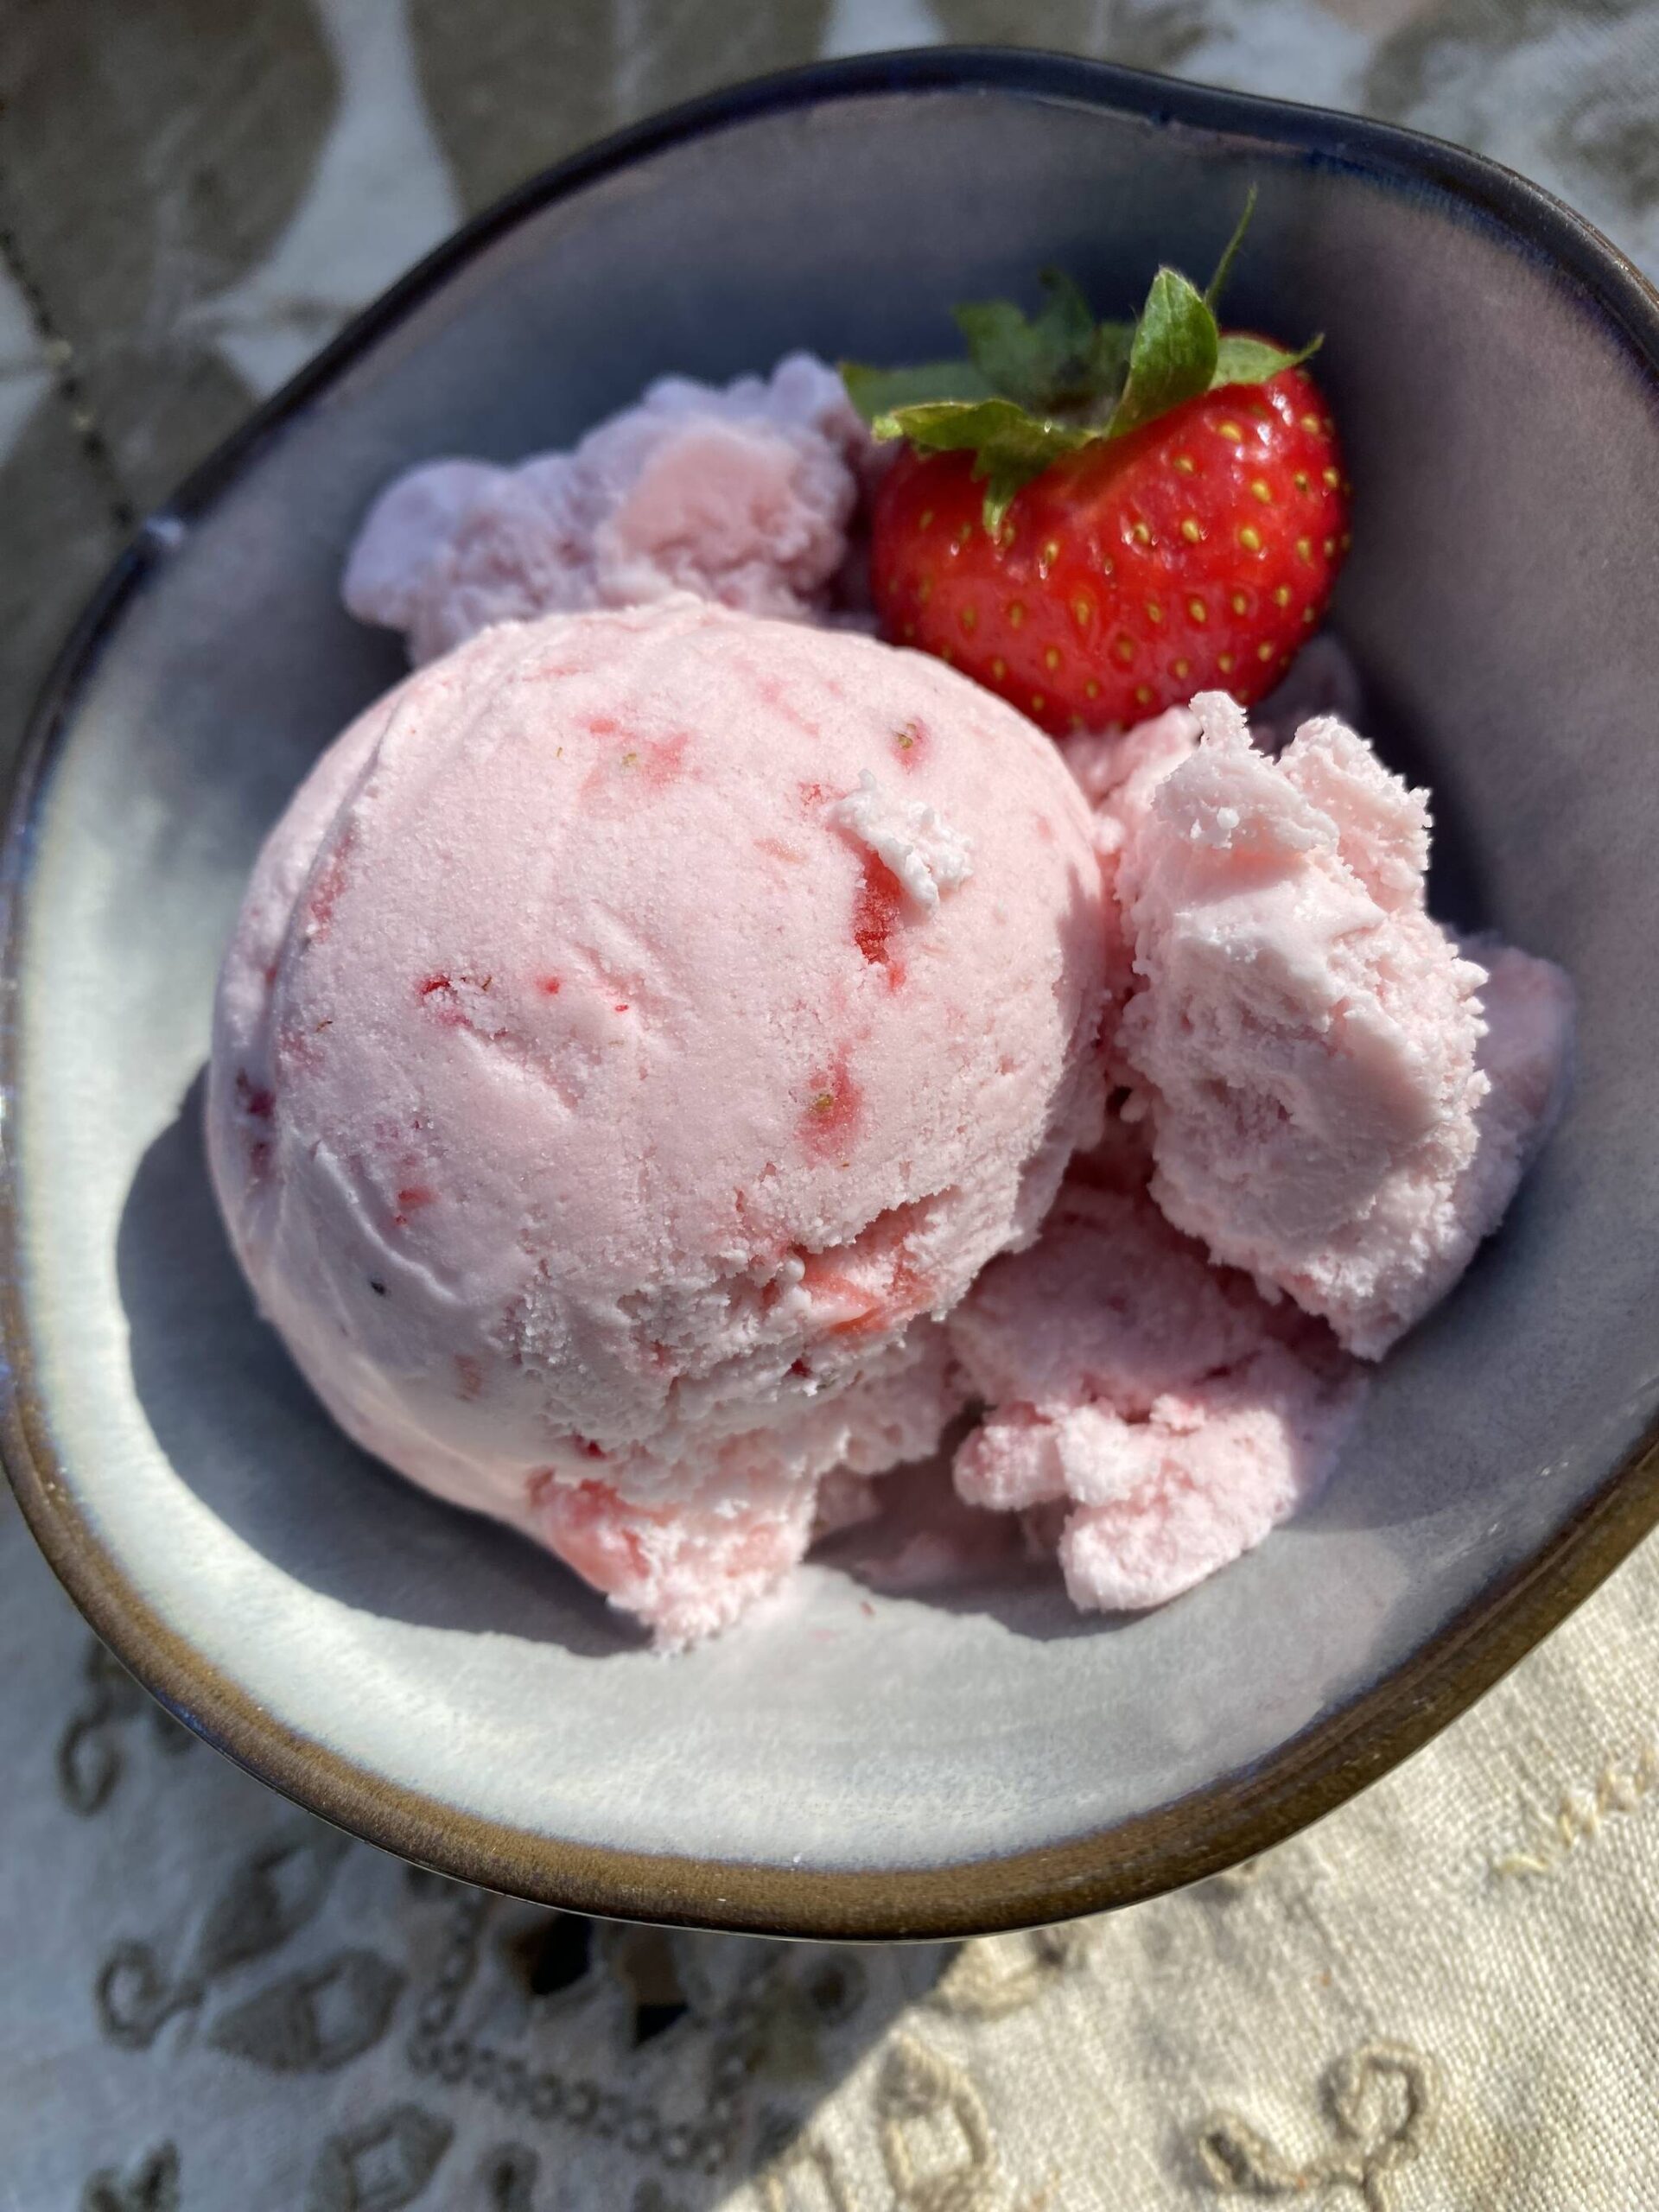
(1447, 1996)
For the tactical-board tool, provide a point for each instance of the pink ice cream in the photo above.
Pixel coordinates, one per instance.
(1170, 1415)
(1323, 1088)
(744, 495)
(641, 1028)
(655, 1040)
(1332, 1103)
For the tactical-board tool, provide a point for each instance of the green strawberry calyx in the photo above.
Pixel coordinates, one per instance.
(1034, 388)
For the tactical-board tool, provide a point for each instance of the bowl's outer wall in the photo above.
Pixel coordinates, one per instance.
(1504, 441)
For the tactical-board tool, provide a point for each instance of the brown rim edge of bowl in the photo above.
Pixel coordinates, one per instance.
(1140, 1858)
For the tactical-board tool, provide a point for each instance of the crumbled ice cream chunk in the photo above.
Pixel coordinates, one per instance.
(911, 836)
(1126, 766)
(1526, 1056)
(1302, 1039)
(1119, 774)
(744, 495)
(1168, 1410)
(409, 528)
(1201, 1481)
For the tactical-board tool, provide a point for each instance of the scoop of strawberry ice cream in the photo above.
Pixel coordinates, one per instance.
(1171, 1414)
(744, 495)
(1304, 1041)
(640, 1026)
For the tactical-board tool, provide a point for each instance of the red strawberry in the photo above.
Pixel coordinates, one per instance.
(1197, 551)
(1099, 519)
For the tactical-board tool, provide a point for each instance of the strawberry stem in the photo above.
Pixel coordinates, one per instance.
(1034, 388)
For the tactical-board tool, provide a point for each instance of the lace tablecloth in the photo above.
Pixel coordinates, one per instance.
(1446, 1996)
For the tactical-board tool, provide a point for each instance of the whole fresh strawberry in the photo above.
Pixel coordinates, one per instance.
(1099, 519)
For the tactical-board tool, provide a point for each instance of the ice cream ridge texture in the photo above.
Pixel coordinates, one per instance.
(641, 1029)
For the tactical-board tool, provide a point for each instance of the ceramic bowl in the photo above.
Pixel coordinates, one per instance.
(850, 1763)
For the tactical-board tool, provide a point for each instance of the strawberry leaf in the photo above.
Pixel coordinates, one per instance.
(877, 391)
(1008, 352)
(1037, 387)
(1173, 356)
(1010, 444)
(1229, 254)
(1253, 360)
(1058, 359)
